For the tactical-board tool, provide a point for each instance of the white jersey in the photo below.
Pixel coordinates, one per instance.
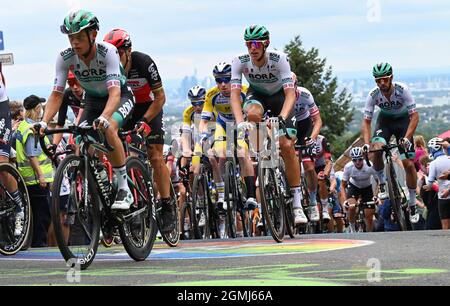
(305, 106)
(3, 96)
(104, 70)
(437, 167)
(401, 102)
(361, 178)
(269, 79)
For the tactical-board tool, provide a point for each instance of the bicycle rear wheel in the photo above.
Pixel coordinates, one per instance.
(395, 197)
(288, 201)
(77, 221)
(138, 229)
(199, 207)
(10, 243)
(272, 201)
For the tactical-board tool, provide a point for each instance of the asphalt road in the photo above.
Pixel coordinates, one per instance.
(387, 259)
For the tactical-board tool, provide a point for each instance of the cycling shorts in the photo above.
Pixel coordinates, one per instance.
(156, 136)
(366, 193)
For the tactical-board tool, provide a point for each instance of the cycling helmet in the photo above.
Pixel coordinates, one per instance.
(78, 21)
(70, 75)
(197, 94)
(435, 145)
(356, 153)
(118, 38)
(222, 70)
(256, 32)
(382, 70)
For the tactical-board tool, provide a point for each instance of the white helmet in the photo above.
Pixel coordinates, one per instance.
(356, 153)
(435, 145)
(197, 94)
(222, 70)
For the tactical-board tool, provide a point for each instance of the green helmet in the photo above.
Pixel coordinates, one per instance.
(381, 70)
(256, 32)
(78, 21)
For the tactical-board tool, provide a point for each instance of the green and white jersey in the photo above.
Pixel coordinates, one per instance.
(401, 102)
(104, 70)
(269, 79)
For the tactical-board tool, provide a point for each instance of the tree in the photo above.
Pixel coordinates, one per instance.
(314, 75)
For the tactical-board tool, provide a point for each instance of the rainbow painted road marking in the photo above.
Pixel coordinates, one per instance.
(208, 250)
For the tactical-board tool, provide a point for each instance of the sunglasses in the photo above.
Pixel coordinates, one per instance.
(225, 80)
(198, 103)
(385, 79)
(72, 82)
(257, 44)
(357, 160)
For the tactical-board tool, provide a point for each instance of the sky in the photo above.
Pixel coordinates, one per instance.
(184, 36)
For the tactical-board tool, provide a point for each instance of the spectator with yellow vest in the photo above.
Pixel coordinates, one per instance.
(36, 169)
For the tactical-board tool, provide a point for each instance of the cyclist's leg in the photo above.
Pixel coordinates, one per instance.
(407, 156)
(124, 197)
(155, 146)
(382, 136)
(353, 193)
(304, 129)
(367, 196)
(218, 168)
(323, 193)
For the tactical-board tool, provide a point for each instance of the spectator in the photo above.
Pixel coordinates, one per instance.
(36, 169)
(439, 166)
(385, 218)
(421, 150)
(446, 145)
(430, 199)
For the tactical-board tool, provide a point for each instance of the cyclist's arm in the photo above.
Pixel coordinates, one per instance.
(328, 166)
(154, 80)
(342, 195)
(157, 105)
(288, 86)
(53, 104)
(317, 125)
(413, 123)
(56, 97)
(236, 87)
(113, 102)
(365, 130)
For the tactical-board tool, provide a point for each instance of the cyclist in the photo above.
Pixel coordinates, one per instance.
(271, 89)
(108, 101)
(5, 149)
(218, 101)
(440, 165)
(399, 117)
(73, 97)
(309, 123)
(357, 181)
(144, 79)
(324, 170)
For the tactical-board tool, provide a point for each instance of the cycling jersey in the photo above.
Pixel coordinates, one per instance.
(437, 167)
(3, 96)
(323, 151)
(269, 79)
(71, 100)
(143, 77)
(104, 70)
(191, 118)
(305, 106)
(216, 102)
(360, 178)
(401, 102)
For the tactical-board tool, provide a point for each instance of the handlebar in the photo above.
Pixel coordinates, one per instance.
(384, 148)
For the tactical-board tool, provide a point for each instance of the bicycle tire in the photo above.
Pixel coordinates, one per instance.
(230, 199)
(138, 235)
(73, 166)
(272, 204)
(289, 208)
(395, 198)
(10, 244)
(173, 238)
(187, 232)
(198, 189)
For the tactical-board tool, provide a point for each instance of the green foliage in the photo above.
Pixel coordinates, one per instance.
(314, 74)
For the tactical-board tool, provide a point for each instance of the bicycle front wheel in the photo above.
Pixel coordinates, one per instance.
(76, 218)
(395, 198)
(272, 201)
(173, 238)
(231, 199)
